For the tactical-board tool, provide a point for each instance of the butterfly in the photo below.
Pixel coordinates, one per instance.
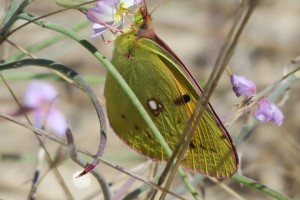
(168, 92)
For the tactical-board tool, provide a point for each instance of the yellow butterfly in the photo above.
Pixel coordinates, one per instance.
(169, 94)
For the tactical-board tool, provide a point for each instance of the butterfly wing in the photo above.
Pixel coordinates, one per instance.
(169, 98)
(214, 140)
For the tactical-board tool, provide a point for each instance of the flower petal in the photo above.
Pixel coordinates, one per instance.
(101, 15)
(57, 122)
(268, 111)
(130, 3)
(38, 118)
(264, 111)
(277, 115)
(99, 29)
(37, 93)
(108, 2)
(242, 86)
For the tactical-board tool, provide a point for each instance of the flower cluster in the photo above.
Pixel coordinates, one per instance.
(40, 100)
(109, 14)
(266, 111)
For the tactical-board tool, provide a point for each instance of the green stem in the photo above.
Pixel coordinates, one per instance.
(16, 7)
(17, 76)
(258, 186)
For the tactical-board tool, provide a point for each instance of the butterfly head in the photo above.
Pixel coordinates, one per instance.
(143, 22)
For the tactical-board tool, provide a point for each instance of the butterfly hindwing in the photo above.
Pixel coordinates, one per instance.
(169, 98)
(211, 149)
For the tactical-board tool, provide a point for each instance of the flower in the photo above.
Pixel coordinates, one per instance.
(38, 92)
(242, 86)
(267, 111)
(39, 99)
(108, 14)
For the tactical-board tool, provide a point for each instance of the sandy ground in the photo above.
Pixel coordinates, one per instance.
(195, 30)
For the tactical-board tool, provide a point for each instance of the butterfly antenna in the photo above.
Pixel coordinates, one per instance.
(159, 3)
(144, 13)
(145, 4)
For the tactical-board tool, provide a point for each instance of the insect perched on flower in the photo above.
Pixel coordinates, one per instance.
(169, 94)
(109, 14)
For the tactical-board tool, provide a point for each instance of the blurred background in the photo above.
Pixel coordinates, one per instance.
(195, 30)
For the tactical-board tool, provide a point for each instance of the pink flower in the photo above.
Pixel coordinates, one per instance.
(267, 111)
(109, 13)
(37, 93)
(242, 86)
(39, 99)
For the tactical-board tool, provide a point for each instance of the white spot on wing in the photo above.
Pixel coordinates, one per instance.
(153, 105)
